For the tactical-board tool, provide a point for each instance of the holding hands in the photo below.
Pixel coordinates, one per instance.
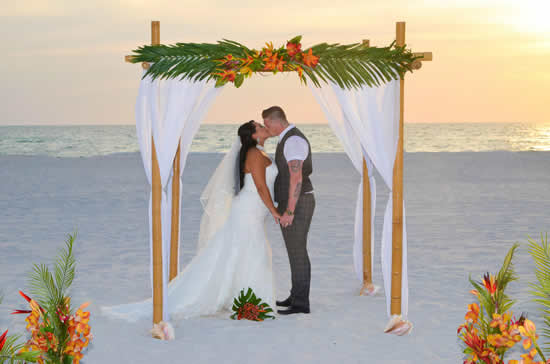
(287, 219)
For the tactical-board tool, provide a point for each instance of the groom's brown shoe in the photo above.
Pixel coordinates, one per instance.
(285, 303)
(293, 309)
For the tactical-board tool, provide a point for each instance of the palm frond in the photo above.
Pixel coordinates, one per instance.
(10, 352)
(506, 275)
(65, 267)
(42, 285)
(50, 289)
(540, 252)
(350, 66)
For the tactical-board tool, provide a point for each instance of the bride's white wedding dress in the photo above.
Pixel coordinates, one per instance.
(237, 256)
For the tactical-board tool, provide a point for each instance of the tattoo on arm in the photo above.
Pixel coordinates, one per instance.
(298, 190)
(295, 166)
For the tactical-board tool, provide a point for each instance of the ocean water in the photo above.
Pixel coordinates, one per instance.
(92, 140)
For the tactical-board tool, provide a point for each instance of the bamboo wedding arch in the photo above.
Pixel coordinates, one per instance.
(414, 63)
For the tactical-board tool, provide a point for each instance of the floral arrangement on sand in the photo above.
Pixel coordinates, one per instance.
(249, 307)
(58, 333)
(490, 329)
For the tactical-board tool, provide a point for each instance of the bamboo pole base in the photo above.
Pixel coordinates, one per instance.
(369, 289)
(398, 326)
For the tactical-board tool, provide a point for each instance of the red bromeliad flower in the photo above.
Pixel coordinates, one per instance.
(293, 49)
(28, 299)
(475, 343)
(19, 312)
(3, 339)
(490, 283)
(227, 75)
(246, 61)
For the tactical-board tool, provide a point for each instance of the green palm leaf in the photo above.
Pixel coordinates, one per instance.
(9, 353)
(48, 289)
(540, 252)
(350, 66)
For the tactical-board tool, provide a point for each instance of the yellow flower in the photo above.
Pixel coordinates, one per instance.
(528, 329)
(246, 71)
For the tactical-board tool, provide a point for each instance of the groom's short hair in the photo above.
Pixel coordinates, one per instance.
(274, 113)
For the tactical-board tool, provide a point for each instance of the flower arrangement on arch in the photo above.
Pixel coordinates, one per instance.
(350, 66)
(249, 307)
(490, 328)
(269, 59)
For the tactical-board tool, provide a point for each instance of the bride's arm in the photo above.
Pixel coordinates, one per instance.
(256, 165)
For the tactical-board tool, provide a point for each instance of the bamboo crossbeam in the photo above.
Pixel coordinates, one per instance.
(426, 56)
(156, 187)
(397, 197)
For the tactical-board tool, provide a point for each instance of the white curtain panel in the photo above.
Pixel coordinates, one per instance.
(170, 111)
(328, 101)
(372, 115)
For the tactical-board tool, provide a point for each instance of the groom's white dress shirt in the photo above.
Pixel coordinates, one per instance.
(296, 147)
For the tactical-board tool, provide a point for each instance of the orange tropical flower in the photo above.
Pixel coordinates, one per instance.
(268, 50)
(309, 59)
(528, 328)
(473, 313)
(293, 49)
(280, 64)
(270, 62)
(490, 283)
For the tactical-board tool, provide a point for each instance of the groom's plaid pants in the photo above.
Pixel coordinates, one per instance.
(295, 237)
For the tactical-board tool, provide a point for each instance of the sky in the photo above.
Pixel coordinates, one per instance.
(65, 58)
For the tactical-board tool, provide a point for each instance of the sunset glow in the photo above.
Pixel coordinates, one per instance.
(490, 62)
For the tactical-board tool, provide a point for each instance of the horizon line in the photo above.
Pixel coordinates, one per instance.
(296, 123)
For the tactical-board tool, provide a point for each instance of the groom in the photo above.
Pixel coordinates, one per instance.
(294, 193)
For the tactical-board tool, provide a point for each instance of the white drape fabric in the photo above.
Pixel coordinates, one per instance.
(367, 123)
(218, 195)
(171, 112)
(326, 97)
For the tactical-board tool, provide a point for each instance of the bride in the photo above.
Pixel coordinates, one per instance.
(233, 253)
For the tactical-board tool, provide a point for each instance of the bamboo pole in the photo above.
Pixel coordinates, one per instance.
(397, 196)
(175, 229)
(367, 253)
(156, 197)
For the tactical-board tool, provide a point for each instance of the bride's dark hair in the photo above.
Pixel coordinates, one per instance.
(245, 133)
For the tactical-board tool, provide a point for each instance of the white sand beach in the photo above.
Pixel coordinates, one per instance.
(464, 211)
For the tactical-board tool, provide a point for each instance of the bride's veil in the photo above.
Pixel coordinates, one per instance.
(218, 194)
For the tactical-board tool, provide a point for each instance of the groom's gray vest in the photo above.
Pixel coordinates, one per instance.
(282, 181)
